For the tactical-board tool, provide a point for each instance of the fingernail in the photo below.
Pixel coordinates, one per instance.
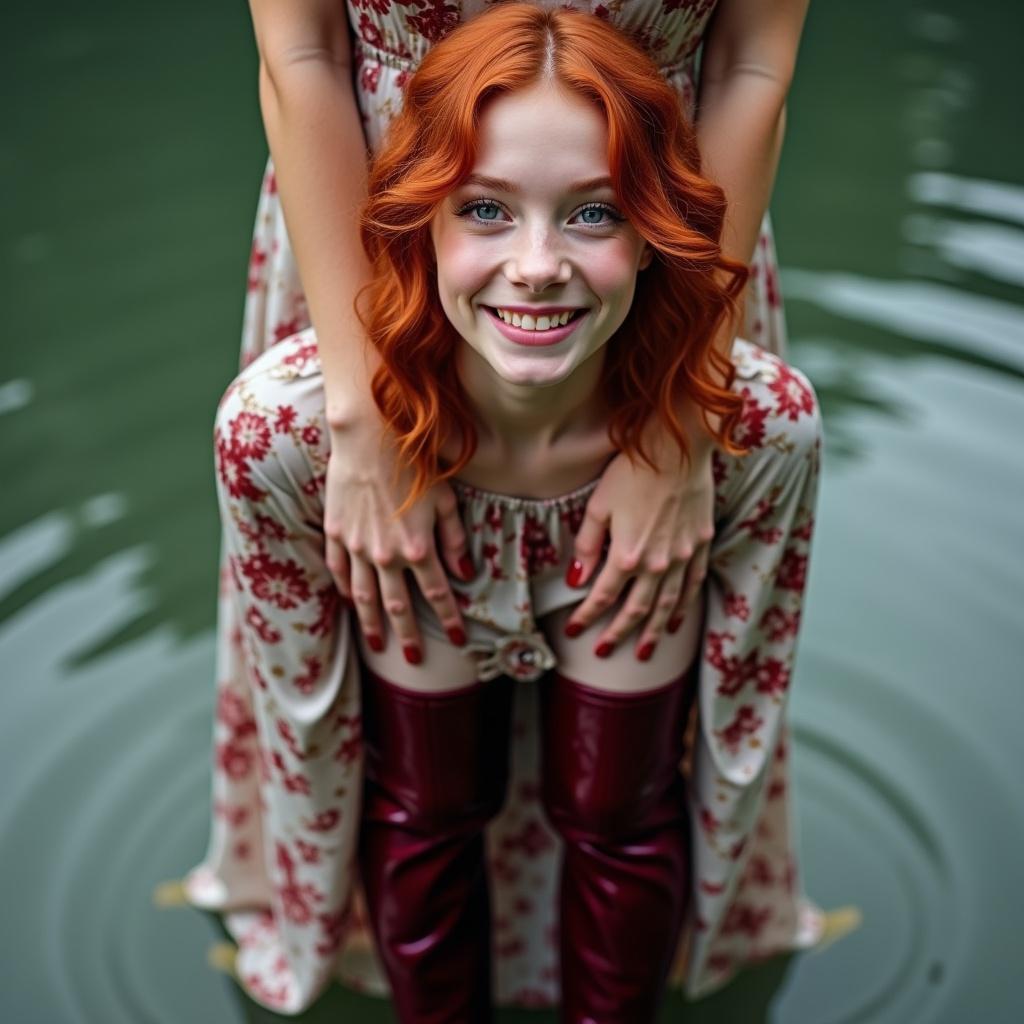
(573, 629)
(374, 642)
(466, 567)
(675, 624)
(413, 654)
(457, 635)
(645, 652)
(575, 573)
(604, 649)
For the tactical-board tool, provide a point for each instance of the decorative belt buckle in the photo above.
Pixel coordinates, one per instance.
(522, 656)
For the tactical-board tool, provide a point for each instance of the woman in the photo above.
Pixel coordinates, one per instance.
(331, 78)
(571, 191)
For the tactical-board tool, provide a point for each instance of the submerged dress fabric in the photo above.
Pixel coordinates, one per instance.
(287, 771)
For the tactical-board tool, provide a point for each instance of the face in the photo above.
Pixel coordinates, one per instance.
(534, 236)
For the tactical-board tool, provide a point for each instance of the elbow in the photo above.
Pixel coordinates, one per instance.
(771, 82)
(301, 82)
(766, 84)
(280, 70)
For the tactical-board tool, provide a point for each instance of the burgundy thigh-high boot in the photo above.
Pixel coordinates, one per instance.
(612, 789)
(436, 771)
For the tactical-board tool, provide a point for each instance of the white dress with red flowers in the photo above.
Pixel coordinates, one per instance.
(288, 751)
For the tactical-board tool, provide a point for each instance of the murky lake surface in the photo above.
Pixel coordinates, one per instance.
(131, 151)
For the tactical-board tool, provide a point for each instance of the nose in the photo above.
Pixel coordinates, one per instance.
(539, 261)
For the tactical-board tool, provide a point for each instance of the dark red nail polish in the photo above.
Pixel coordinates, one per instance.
(604, 649)
(575, 573)
(675, 624)
(573, 629)
(457, 635)
(413, 654)
(466, 567)
(374, 642)
(645, 652)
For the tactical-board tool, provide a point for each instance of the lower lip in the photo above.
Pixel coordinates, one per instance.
(552, 336)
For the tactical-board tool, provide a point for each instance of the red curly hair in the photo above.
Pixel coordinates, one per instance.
(663, 353)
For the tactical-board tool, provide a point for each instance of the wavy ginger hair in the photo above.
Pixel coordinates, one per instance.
(663, 354)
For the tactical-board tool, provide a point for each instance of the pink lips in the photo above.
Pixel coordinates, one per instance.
(552, 336)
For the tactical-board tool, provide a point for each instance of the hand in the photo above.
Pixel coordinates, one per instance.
(368, 550)
(661, 544)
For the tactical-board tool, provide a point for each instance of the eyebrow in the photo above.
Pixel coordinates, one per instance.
(501, 185)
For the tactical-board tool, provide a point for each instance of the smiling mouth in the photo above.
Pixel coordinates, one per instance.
(573, 315)
(528, 337)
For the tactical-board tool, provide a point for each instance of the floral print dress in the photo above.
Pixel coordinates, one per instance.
(288, 752)
(287, 775)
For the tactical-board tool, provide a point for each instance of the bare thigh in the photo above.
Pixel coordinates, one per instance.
(622, 671)
(444, 666)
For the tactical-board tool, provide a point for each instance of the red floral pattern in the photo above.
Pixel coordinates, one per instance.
(267, 636)
(291, 778)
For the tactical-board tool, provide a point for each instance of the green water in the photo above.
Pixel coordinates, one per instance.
(131, 153)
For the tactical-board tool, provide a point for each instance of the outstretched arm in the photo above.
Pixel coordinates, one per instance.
(746, 68)
(662, 543)
(316, 139)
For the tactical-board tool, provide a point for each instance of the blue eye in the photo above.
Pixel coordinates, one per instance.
(487, 211)
(600, 208)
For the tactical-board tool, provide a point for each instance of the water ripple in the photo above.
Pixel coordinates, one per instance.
(972, 327)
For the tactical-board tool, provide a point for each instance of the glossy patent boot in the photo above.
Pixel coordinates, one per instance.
(612, 789)
(436, 772)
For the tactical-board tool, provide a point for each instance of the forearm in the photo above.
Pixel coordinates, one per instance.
(740, 127)
(739, 130)
(746, 69)
(315, 135)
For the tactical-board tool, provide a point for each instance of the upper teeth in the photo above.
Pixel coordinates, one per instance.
(540, 323)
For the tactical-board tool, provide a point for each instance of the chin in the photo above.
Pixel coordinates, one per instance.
(533, 378)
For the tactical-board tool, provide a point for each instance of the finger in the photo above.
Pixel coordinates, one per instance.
(394, 592)
(337, 561)
(696, 572)
(603, 595)
(589, 543)
(635, 609)
(665, 604)
(451, 537)
(366, 598)
(434, 586)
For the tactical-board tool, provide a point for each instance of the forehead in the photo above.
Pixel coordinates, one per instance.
(544, 134)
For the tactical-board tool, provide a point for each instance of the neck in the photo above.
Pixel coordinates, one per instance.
(525, 418)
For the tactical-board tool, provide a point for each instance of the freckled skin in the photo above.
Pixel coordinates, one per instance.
(535, 248)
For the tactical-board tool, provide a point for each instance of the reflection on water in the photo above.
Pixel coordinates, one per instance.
(996, 199)
(109, 792)
(900, 213)
(15, 394)
(989, 249)
(942, 320)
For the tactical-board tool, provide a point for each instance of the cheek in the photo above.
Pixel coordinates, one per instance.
(461, 267)
(611, 271)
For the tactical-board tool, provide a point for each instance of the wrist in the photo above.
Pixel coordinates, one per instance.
(348, 397)
(658, 439)
(350, 410)
(347, 419)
